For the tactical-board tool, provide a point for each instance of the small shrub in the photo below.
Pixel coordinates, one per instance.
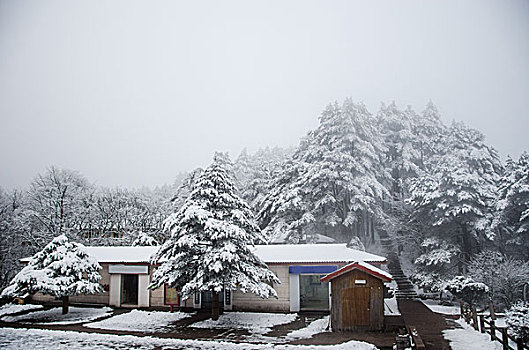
(467, 289)
(518, 321)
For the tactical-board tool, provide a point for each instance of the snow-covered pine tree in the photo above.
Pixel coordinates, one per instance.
(511, 219)
(144, 239)
(402, 159)
(255, 173)
(285, 213)
(334, 182)
(185, 188)
(210, 245)
(429, 132)
(434, 264)
(456, 195)
(62, 269)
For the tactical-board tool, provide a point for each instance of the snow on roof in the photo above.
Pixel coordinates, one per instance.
(120, 254)
(274, 253)
(360, 265)
(298, 253)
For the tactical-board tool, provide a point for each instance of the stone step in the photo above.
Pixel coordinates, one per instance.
(405, 289)
(409, 292)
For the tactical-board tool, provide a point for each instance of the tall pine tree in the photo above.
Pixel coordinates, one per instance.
(334, 182)
(456, 195)
(511, 220)
(210, 245)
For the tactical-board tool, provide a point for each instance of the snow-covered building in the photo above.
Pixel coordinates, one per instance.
(127, 272)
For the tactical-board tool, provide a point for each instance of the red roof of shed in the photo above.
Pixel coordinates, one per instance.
(362, 266)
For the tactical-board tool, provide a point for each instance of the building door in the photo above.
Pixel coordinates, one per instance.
(313, 293)
(355, 307)
(206, 300)
(129, 290)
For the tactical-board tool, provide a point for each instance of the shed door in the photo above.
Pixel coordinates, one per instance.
(355, 307)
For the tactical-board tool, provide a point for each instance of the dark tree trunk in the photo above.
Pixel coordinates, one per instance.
(467, 248)
(65, 302)
(215, 306)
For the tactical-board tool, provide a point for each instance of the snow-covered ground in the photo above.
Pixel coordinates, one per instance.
(442, 309)
(468, 338)
(254, 322)
(55, 317)
(37, 339)
(12, 308)
(317, 326)
(391, 307)
(140, 321)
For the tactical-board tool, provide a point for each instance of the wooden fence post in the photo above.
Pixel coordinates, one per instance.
(467, 313)
(504, 338)
(482, 323)
(492, 313)
(462, 308)
(475, 318)
(492, 330)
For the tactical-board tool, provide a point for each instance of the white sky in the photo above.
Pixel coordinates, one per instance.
(131, 93)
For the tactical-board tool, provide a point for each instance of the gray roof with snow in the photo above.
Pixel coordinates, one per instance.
(274, 253)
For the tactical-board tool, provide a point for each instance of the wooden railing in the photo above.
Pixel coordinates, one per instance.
(487, 324)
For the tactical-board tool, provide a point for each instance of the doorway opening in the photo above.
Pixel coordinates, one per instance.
(313, 293)
(129, 290)
(207, 300)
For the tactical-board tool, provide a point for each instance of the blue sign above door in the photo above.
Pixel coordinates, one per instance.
(315, 269)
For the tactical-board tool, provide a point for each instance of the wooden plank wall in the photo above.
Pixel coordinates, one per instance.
(353, 303)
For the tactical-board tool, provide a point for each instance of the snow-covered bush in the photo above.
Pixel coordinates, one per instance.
(62, 269)
(144, 239)
(518, 321)
(429, 281)
(356, 243)
(503, 275)
(467, 289)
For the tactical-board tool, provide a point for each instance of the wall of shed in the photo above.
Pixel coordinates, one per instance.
(376, 302)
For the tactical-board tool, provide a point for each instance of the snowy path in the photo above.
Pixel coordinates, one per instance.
(467, 338)
(430, 325)
(441, 309)
(36, 339)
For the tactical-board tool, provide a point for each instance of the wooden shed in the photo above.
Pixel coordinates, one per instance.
(357, 297)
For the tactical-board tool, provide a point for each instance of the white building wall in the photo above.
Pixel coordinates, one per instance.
(294, 292)
(143, 291)
(249, 301)
(115, 290)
